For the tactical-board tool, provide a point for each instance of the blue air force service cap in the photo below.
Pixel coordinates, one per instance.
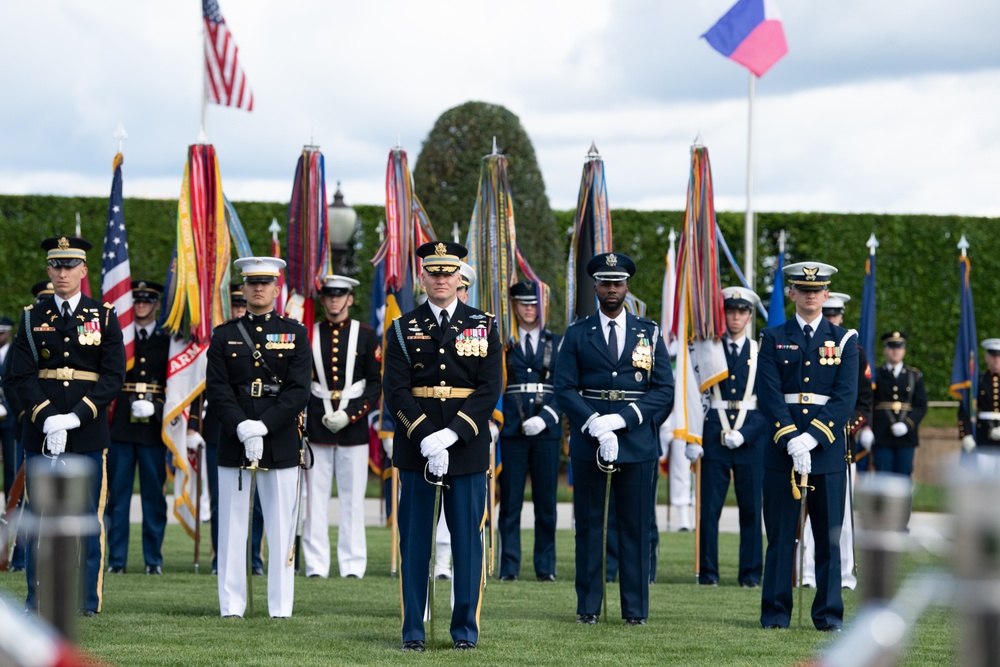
(992, 346)
(611, 266)
(739, 298)
(334, 285)
(809, 276)
(894, 339)
(146, 291)
(68, 251)
(468, 275)
(525, 292)
(441, 256)
(260, 269)
(834, 304)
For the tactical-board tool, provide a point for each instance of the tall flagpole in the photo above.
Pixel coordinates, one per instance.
(203, 135)
(749, 228)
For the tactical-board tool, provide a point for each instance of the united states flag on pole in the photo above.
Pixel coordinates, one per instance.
(225, 82)
(116, 274)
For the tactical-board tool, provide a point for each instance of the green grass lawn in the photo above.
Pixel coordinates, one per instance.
(173, 619)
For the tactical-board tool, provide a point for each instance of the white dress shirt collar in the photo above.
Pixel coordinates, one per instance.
(437, 310)
(74, 301)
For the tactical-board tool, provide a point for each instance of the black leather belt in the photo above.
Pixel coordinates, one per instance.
(612, 394)
(258, 389)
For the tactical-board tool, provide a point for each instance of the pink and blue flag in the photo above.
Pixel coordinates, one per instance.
(751, 34)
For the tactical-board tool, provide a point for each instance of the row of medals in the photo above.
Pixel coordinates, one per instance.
(642, 355)
(88, 336)
(829, 354)
(471, 343)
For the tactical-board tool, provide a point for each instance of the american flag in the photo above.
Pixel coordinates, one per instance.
(116, 274)
(225, 82)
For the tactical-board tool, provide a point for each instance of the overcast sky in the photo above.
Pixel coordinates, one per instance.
(885, 106)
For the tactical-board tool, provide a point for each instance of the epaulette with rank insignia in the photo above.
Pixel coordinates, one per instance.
(29, 307)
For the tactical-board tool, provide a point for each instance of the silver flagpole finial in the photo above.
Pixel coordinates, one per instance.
(78, 234)
(872, 244)
(274, 228)
(593, 154)
(781, 241)
(963, 245)
(380, 228)
(455, 232)
(698, 143)
(120, 134)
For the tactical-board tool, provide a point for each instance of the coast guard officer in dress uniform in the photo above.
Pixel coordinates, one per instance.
(443, 377)
(531, 438)
(807, 387)
(68, 365)
(613, 380)
(257, 384)
(734, 436)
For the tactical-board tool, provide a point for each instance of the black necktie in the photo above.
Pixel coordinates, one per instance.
(733, 350)
(808, 331)
(612, 342)
(65, 311)
(444, 319)
(529, 350)
(142, 334)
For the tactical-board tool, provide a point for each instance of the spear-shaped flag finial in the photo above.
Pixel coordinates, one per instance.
(593, 154)
(121, 135)
(274, 228)
(963, 245)
(872, 244)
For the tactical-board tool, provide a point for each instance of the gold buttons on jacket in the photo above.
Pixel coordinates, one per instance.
(443, 367)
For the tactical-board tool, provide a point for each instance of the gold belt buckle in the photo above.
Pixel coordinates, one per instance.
(140, 387)
(256, 389)
(897, 406)
(442, 392)
(335, 395)
(733, 405)
(616, 395)
(64, 373)
(805, 399)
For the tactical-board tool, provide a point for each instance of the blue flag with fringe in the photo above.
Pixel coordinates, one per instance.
(964, 368)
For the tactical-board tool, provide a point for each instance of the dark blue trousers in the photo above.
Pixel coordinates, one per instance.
(13, 456)
(654, 535)
(538, 457)
(464, 506)
(894, 459)
(92, 547)
(630, 487)
(781, 517)
(257, 536)
(123, 459)
(748, 480)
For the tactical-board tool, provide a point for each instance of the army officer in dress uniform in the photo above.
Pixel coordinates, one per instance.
(986, 432)
(900, 404)
(136, 439)
(614, 382)
(68, 365)
(443, 377)
(531, 436)
(807, 386)
(257, 384)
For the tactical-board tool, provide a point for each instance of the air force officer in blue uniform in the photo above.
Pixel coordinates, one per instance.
(614, 382)
(808, 375)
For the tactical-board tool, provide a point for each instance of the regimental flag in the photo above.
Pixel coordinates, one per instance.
(866, 327)
(591, 236)
(751, 34)
(964, 368)
(225, 82)
(308, 240)
(116, 273)
(776, 306)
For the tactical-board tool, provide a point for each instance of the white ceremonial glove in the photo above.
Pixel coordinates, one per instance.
(494, 431)
(899, 429)
(666, 432)
(336, 421)
(801, 444)
(60, 423)
(437, 464)
(142, 409)
(693, 452)
(664, 449)
(437, 442)
(533, 426)
(608, 448)
(56, 441)
(3, 411)
(254, 447)
(866, 438)
(387, 446)
(606, 424)
(249, 428)
(733, 439)
(802, 463)
(194, 440)
(968, 443)
(995, 433)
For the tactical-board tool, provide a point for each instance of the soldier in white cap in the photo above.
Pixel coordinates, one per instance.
(347, 382)
(984, 436)
(258, 384)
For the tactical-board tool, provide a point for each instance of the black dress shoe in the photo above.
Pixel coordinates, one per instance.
(635, 621)
(86, 613)
(509, 577)
(215, 571)
(414, 645)
(749, 584)
(17, 568)
(257, 572)
(587, 619)
(829, 628)
(443, 577)
(154, 569)
(708, 583)
(774, 626)
(314, 576)
(464, 645)
(114, 569)
(547, 577)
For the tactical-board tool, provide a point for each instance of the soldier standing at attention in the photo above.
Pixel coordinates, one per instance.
(136, 439)
(347, 382)
(68, 365)
(257, 384)
(808, 384)
(614, 381)
(532, 434)
(986, 433)
(900, 404)
(734, 436)
(443, 377)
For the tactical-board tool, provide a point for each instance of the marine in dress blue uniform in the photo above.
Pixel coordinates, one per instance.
(615, 397)
(807, 387)
(136, 439)
(734, 437)
(984, 432)
(441, 383)
(531, 438)
(258, 388)
(900, 404)
(69, 363)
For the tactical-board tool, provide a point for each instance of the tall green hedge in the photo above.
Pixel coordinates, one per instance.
(917, 263)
